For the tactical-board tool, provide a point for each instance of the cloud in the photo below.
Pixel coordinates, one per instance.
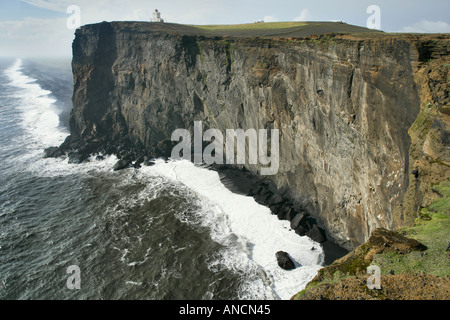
(61, 6)
(33, 36)
(270, 19)
(31, 28)
(195, 11)
(305, 15)
(426, 26)
(37, 35)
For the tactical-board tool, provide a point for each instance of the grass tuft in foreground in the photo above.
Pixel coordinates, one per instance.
(431, 230)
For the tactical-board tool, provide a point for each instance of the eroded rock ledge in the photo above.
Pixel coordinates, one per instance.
(347, 278)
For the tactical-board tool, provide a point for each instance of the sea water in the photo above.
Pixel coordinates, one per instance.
(169, 231)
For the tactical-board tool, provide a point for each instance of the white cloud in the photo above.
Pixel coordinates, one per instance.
(426, 26)
(39, 36)
(305, 15)
(192, 12)
(32, 36)
(49, 5)
(270, 19)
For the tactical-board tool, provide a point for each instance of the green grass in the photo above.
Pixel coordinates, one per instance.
(254, 26)
(421, 127)
(354, 264)
(287, 29)
(433, 230)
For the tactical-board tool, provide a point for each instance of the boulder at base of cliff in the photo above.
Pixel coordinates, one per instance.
(316, 234)
(77, 158)
(301, 231)
(284, 261)
(149, 163)
(53, 152)
(298, 220)
(121, 164)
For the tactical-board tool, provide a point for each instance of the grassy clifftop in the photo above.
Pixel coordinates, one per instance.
(282, 29)
(290, 29)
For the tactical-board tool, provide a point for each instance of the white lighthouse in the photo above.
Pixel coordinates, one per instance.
(157, 16)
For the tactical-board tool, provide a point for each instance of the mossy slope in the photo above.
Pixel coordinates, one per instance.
(414, 252)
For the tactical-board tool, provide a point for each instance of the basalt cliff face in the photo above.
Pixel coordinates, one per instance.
(343, 105)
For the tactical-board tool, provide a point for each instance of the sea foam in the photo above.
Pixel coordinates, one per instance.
(250, 234)
(260, 233)
(40, 114)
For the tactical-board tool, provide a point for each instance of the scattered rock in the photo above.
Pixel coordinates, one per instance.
(298, 219)
(53, 152)
(290, 214)
(284, 212)
(301, 231)
(316, 234)
(137, 165)
(122, 164)
(276, 199)
(77, 158)
(262, 195)
(284, 260)
(383, 240)
(149, 163)
(275, 208)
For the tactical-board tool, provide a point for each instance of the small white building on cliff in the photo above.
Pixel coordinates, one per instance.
(156, 17)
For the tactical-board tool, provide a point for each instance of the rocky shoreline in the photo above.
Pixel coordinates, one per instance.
(236, 178)
(363, 118)
(240, 180)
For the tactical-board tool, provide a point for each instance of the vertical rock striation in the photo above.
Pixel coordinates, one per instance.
(343, 105)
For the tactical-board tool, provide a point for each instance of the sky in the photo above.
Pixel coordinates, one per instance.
(46, 27)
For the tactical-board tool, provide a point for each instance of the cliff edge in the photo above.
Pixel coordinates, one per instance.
(344, 102)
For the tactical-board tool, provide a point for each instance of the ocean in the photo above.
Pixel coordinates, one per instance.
(172, 231)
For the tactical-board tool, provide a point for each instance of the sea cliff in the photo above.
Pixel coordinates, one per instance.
(353, 152)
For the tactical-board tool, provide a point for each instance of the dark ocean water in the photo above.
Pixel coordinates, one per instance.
(171, 231)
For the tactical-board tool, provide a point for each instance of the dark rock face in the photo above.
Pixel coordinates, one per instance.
(53, 152)
(284, 260)
(343, 107)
